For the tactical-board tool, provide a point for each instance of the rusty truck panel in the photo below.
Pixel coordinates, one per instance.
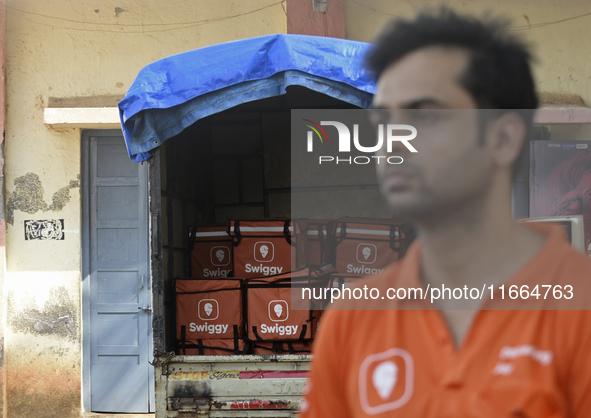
(230, 386)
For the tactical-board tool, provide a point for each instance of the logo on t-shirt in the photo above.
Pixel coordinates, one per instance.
(510, 356)
(386, 381)
(384, 378)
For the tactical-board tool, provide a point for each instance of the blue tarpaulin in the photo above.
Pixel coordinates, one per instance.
(171, 94)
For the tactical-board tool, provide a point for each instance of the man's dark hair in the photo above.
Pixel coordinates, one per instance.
(498, 75)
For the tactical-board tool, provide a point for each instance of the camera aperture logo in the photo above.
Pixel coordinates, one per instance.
(318, 127)
(345, 142)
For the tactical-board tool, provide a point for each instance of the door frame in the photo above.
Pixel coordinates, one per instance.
(85, 254)
(159, 331)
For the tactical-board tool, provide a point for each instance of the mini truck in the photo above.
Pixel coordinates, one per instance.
(213, 126)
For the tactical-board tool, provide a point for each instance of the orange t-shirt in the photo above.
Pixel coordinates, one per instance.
(511, 363)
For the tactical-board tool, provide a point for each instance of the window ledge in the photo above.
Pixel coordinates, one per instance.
(82, 117)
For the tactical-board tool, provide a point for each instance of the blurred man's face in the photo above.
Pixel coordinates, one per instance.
(450, 167)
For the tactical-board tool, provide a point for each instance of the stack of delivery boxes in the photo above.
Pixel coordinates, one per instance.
(282, 316)
(257, 285)
(209, 305)
(270, 255)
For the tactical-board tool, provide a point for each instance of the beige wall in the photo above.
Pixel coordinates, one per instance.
(77, 49)
(562, 48)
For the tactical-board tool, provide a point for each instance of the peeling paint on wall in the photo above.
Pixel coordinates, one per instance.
(28, 196)
(62, 196)
(57, 317)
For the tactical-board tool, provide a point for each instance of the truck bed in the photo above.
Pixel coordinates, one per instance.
(230, 386)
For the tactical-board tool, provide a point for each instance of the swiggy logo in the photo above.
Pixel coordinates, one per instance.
(386, 381)
(208, 309)
(367, 253)
(219, 256)
(264, 251)
(278, 310)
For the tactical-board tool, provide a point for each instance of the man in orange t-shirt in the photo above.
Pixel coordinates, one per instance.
(468, 357)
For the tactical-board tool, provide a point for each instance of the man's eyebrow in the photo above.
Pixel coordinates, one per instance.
(416, 103)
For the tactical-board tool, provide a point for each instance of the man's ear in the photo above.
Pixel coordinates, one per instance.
(507, 137)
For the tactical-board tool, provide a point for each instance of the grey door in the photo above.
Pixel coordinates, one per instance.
(118, 376)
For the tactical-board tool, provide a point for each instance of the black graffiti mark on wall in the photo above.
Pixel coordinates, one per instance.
(57, 316)
(44, 230)
(28, 196)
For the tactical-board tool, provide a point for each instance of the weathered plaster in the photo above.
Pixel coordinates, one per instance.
(57, 317)
(28, 196)
(61, 198)
(42, 383)
(42, 352)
